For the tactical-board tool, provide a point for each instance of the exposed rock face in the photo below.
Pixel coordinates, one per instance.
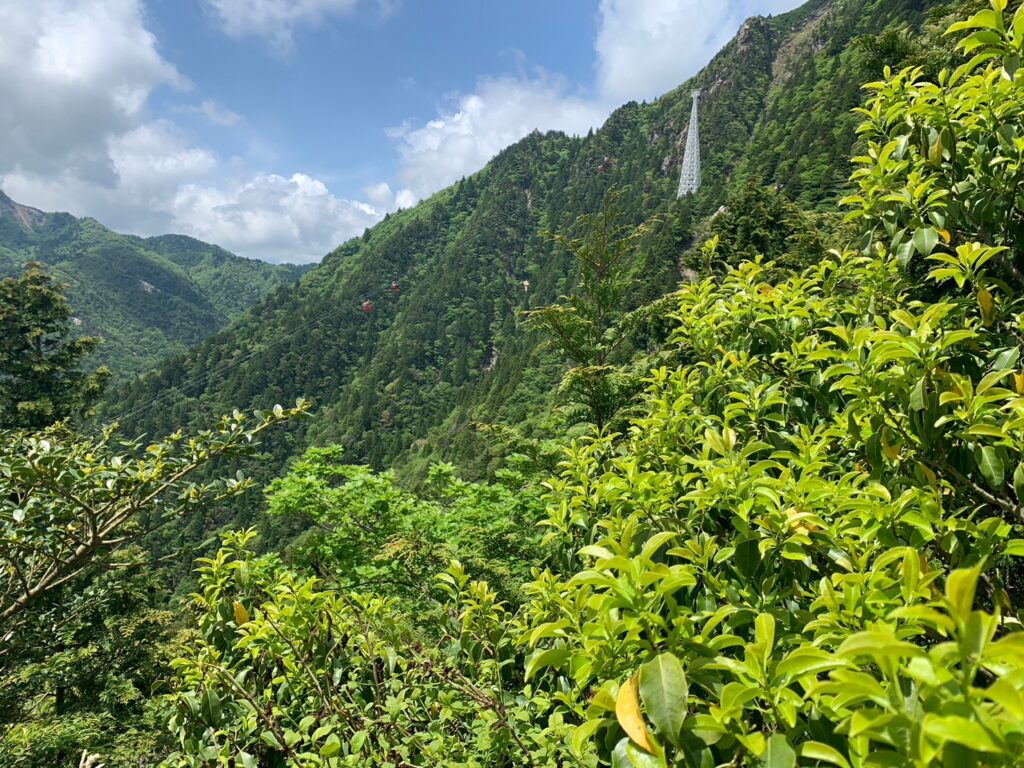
(30, 218)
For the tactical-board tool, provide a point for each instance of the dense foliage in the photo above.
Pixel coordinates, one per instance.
(363, 530)
(399, 388)
(147, 298)
(804, 551)
(42, 380)
(83, 669)
(81, 617)
(786, 524)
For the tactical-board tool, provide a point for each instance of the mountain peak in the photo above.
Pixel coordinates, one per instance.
(30, 218)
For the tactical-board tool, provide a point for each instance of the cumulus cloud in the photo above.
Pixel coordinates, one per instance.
(277, 20)
(382, 198)
(643, 49)
(380, 194)
(155, 156)
(163, 184)
(272, 217)
(72, 74)
(499, 112)
(76, 77)
(147, 163)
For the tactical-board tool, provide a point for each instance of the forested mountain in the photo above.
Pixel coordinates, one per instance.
(776, 517)
(401, 385)
(146, 297)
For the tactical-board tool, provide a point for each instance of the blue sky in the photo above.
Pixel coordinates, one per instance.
(279, 128)
(324, 104)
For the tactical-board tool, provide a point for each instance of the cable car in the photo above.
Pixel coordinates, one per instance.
(367, 306)
(395, 288)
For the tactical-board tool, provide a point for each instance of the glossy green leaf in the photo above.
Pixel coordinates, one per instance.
(664, 691)
(991, 466)
(778, 753)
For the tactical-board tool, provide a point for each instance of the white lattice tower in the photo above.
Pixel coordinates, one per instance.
(689, 178)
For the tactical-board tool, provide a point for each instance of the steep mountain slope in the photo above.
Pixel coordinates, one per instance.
(148, 298)
(402, 384)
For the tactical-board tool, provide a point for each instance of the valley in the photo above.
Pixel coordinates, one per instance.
(634, 447)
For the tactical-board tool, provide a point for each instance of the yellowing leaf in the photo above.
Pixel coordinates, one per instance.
(946, 237)
(1018, 382)
(892, 452)
(935, 153)
(988, 306)
(627, 712)
(241, 615)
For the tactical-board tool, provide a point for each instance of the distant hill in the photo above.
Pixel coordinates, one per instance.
(147, 297)
(401, 386)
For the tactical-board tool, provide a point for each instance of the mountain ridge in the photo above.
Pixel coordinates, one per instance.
(146, 297)
(402, 385)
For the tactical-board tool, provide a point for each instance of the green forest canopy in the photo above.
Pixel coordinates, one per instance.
(803, 549)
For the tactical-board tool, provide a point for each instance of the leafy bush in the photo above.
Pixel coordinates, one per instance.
(804, 551)
(83, 622)
(284, 672)
(365, 531)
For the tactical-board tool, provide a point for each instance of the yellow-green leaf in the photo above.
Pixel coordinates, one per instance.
(823, 753)
(960, 587)
(552, 657)
(960, 730)
(582, 734)
(987, 304)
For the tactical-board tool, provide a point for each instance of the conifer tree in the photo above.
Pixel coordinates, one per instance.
(590, 328)
(42, 380)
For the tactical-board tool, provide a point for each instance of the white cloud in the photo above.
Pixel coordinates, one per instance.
(259, 215)
(155, 156)
(147, 165)
(499, 112)
(277, 20)
(672, 37)
(71, 74)
(75, 80)
(271, 217)
(216, 113)
(380, 194)
(405, 198)
(648, 47)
